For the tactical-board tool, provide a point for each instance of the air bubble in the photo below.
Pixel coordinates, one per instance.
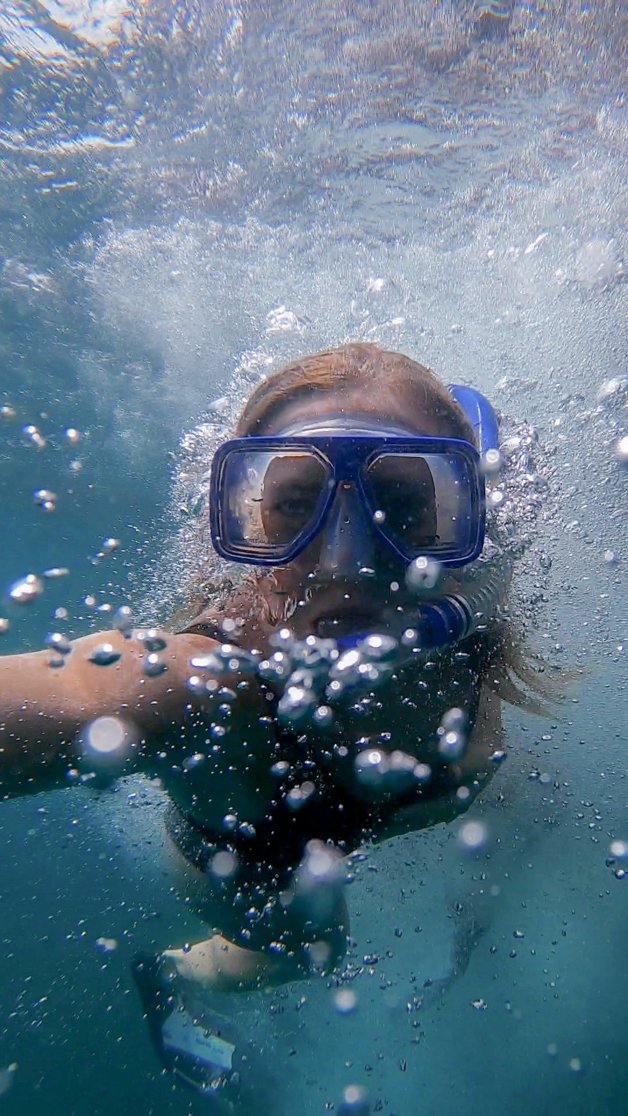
(72, 435)
(105, 655)
(55, 572)
(26, 589)
(354, 1102)
(152, 640)
(34, 436)
(107, 548)
(153, 666)
(452, 738)
(451, 746)
(296, 705)
(491, 463)
(7, 1074)
(45, 499)
(378, 646)
(455, 720)
(323, 716)
(473, 835)
(318, 883)
(190, 763)
(423, 575)
(621, 450)
(224, 865)
(371, 767)
(298, 796)
(345, 1001)
(106, 742)
(106, 945)
(613, 389)
(58, 642)
(280, 769)
(123, 620)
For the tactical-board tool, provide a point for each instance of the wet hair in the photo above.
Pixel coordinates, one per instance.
(358, 365)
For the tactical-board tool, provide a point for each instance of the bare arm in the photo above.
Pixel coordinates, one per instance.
(42, 708)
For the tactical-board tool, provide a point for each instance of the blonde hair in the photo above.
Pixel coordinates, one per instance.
(356, 365)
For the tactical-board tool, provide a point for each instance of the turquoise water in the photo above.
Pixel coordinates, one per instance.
(189, 195)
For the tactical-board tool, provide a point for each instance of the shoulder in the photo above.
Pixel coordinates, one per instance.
(242, 619)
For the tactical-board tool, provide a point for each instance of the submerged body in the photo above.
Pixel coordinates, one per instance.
(264, 800)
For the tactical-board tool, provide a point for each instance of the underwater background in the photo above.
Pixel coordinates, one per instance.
(191, 194)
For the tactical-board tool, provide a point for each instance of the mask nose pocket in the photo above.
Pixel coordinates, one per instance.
(347, 536)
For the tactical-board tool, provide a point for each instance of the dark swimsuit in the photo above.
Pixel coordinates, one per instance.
(268, 853)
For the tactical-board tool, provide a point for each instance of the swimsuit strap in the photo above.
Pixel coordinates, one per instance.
(206, 627)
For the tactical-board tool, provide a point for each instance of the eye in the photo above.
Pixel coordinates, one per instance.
(416, 524)
(294, 505)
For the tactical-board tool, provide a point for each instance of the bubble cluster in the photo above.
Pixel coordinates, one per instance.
(106, 945)
(452, 735)
(108, 547)
(318, 885)
(60, 647)
(123, 621)
(45, 499)
(34, 435)
(389, 772)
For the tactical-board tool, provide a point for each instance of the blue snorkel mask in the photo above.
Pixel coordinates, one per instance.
(271, 496)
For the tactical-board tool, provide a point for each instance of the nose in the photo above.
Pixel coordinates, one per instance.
(347, 538)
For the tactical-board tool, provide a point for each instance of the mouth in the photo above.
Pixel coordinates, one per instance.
(338, 624)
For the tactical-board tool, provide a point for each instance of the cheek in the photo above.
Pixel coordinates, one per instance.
(294, 578)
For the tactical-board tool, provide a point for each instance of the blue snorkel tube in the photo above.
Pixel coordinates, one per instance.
(479, 412)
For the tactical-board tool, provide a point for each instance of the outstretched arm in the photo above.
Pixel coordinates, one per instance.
(43, 708)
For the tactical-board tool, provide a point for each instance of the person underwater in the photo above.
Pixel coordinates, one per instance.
(341, 690)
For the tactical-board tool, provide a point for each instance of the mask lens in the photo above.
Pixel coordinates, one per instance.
(426, 501)
(271, 498)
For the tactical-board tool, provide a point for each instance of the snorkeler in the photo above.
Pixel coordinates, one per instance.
(340, 691)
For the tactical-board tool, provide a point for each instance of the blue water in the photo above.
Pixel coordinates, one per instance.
(191, 193)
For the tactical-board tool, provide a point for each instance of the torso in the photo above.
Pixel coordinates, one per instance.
(318, 797)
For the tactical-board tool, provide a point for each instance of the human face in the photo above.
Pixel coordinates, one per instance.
(347, 579)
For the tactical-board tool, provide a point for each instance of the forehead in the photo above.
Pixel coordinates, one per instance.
(376, 403)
